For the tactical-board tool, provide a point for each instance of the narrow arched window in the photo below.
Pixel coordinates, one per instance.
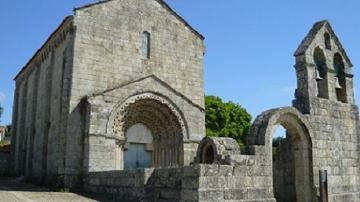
(338, 65)
(340, 80)
(146, 39)
(320, 62)
(327, 41)
(321, 73)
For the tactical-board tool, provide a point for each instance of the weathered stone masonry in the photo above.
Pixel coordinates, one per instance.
(334, 117)
(40, 94)
(92, 64)
(119, 85)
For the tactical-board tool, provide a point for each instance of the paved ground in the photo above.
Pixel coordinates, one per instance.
(13, 190)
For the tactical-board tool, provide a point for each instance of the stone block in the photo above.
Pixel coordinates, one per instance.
(260, 193)
(189, 195)
(236, 194)
(211, 195)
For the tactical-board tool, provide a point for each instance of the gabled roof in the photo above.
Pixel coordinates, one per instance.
(304, 45)
(161, 2)
(156, 79)
(68, 20)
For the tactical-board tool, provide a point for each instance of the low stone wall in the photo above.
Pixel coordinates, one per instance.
(190, 183)
(142, 184)
(4, 163)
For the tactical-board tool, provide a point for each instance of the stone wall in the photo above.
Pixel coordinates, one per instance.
(105, 113)
(189, 183)
(109, 43)
(335, 122)
(40, 109)
(4, 163)
(284, 171)
(336, 147)
(50, 108)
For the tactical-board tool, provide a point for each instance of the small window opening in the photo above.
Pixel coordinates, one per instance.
(327, 41)
(146, 44)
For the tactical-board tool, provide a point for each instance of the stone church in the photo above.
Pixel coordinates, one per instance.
(118, 84)
(113, 103)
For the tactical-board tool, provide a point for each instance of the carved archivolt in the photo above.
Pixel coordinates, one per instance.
(152, 110)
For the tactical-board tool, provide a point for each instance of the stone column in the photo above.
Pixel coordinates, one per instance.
(119, 154)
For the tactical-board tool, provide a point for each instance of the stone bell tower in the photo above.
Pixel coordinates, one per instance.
(325, 95)
(323, 69)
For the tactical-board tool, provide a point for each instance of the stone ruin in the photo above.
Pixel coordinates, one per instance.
(113, 103)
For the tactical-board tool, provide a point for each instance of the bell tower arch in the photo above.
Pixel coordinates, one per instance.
(323, 69)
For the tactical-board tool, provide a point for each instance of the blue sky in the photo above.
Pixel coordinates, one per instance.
(249, 43)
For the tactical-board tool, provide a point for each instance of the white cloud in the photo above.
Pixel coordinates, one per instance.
(2, 97)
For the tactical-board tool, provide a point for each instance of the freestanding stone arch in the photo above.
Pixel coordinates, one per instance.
(158, 114)
(299, 129)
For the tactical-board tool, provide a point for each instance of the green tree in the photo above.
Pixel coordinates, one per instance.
(226, 119)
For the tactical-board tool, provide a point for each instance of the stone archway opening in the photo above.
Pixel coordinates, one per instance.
(214, 150)
(321, 73)
(155, 117)
(291, 163)
(291, 158)
(283, 165)
(208, 155)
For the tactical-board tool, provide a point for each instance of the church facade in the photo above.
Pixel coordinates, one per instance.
(113, 103)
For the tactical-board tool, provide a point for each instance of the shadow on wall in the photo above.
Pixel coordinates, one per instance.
(4, 160)
(148, 184)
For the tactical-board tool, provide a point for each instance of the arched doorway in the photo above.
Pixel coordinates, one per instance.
(283, 165)
(159, 118)
(294, 158)
(138, 148)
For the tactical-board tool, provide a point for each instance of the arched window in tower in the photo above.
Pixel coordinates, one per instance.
(146, 39)
(321, 73)
(327, 41)
(340, 80)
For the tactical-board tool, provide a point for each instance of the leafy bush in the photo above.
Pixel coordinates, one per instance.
(226, 119)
